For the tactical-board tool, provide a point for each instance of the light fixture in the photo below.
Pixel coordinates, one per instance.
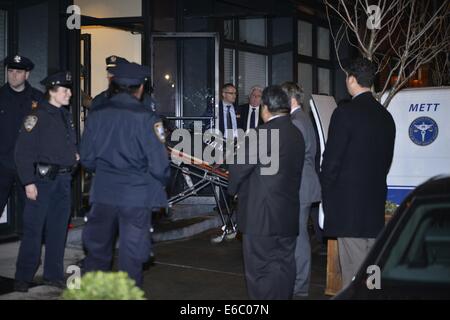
(167, 76)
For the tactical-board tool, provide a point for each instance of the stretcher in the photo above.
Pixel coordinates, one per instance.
(206, 175)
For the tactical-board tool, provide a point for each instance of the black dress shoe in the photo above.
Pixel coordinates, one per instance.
(61, 284)
(21, 286)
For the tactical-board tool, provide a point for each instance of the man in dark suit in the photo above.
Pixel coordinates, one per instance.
(310, 189)
(268, 206)
(228, 126)
(356, 161)
(227, 111)
(249, 113)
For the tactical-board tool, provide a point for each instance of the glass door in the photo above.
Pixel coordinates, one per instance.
(185, 69)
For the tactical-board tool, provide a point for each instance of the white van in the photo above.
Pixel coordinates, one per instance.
(422, 141)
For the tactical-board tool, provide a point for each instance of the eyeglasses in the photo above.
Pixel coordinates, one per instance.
(227, 92)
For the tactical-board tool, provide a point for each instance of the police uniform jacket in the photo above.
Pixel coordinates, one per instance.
(46, 136)
(14, 106)
(102, 99)
(269, 205)
(355, 164)
(123, 144)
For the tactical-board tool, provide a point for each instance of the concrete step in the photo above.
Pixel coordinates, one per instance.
(186, 221)
(191, 207)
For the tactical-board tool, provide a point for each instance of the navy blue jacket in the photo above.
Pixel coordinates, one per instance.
(14, 106)
(46, 136)
(102, 98)
(130, 162)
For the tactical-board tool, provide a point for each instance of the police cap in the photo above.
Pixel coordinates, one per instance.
(19, 62)
(131, 74)
(62, 78)
(112, 61)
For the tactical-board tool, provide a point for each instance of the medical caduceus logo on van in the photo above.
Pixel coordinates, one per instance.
(423, 131)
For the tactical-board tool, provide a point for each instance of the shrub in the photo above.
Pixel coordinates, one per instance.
(390, 207)
(105, 286)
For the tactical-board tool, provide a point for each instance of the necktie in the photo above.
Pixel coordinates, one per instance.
(252, 118)
(229, 121)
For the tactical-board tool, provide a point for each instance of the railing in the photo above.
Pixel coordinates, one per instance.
(181, 120)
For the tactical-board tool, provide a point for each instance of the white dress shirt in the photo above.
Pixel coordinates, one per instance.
(250, 107)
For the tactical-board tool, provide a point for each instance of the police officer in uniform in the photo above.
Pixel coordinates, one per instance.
(45, 155)
(102, 97)
(17, 98)
(123, 143)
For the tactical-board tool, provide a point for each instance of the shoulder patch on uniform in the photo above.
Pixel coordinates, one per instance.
(30, 122)
(159, 131)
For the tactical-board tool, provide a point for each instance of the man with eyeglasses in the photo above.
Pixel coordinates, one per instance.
(227, 111)
(228, 127)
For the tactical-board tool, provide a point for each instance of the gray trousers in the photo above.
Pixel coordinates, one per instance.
(303, 253)
(352, 252)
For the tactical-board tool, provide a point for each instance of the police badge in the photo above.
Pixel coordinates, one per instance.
(30, 122)
(159, 131)
(34, 104)
(17, 59)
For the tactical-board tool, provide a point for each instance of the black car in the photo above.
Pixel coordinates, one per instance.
(411, 257)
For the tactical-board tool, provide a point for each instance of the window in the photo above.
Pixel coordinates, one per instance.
(252, 71)
(253, 31)
(324, 76)
(228, 66)
(281, 31)
(315, 67)
(282, 67)
(305, 38)
(305, 72)
(323, 43)
(228, 29)
(421, 252)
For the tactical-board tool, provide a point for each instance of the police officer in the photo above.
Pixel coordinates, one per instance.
(17, 98)
(45, 155)
(123, 143)
(102, 97)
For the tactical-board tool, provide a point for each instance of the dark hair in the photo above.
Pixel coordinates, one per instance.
(293, 90)
(226, 85)
(363, 70)
(115, 88)
(276, 100)
(52, 88)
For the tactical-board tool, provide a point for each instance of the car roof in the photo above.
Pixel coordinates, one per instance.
(436, 186)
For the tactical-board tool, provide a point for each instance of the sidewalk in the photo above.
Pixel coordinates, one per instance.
(189, 269)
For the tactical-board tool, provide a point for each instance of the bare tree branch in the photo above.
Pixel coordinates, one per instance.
(413, 32)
